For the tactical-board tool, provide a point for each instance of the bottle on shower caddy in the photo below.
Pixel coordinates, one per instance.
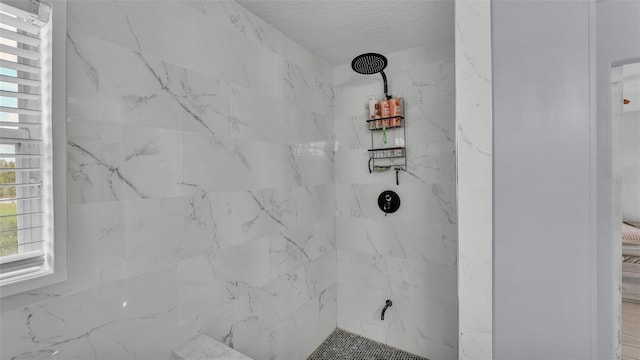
(372, 107)
(374, 113)
(384, 112)
(395, 109)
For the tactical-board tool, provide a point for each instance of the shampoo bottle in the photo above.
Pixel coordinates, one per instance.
(398, 103)
(392, 111)
(372, 106)
(395, 109)
(384, 111)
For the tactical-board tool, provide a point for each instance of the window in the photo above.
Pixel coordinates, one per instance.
(32, 145)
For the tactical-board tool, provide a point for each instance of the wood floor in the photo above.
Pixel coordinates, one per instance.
(630, 330)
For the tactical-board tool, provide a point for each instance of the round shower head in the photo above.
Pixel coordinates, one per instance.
(369, 63)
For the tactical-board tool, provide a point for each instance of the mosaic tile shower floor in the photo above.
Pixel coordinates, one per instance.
(343, 345)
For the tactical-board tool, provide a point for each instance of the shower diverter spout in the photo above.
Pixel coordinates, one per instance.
(386, 306)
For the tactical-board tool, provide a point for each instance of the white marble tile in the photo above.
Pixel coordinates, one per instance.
(148, 234)
(252, 61)
(418, 346)
(300, 246)
(314, 163)
(198, 227)
(118, 320)
(412, 314)
(409, 256)
(201, 291)
(242, 64)
(363, 328)
(474, 145)
(214, 164)
(168, 34)
(410, 279)
(352, 92)
(248, 262)
(297, 54)
(102, 19)
(256, 116)
(203, 347)
(230, 164)
(416, 314)
(284, 294)
(347, 173)
(364, 303)
(162, 35)
(352, 131)
(158, 93)
(426, 241)
(370, 271)
(430, 86)
(242, 327)
(422, 168)
(115, 162)
(83, 60)
(321, 273)
(233, 218)
(302, 87)
(434, 202)
(315, 203)
(146, 237)
(298, 336)
(313, 126)
(252, 27)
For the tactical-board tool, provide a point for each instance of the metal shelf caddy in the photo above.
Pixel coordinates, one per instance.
(385, 158)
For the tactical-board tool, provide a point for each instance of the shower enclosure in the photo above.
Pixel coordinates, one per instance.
(224, 190)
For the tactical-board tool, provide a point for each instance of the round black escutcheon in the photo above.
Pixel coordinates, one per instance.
(389, 201)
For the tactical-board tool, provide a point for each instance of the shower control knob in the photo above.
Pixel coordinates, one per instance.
(388, 202)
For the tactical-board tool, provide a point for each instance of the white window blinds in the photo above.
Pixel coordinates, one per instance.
(26, 225)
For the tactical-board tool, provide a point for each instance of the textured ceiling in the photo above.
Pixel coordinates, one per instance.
(339, 30)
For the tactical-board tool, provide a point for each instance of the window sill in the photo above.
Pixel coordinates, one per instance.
(32, 281)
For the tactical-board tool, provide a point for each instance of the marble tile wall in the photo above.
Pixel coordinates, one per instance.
(474, 138)
(409, 256)
(201, 195)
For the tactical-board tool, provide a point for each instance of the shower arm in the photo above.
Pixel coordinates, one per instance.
(384, 80)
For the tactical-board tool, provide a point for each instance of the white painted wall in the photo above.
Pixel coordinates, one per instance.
(630, 144)
(542, 179)
(630, 157)
(474, 182)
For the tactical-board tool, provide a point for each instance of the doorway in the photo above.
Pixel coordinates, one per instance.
(625, 107)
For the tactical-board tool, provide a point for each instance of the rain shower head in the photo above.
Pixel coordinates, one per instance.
(371, 63)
